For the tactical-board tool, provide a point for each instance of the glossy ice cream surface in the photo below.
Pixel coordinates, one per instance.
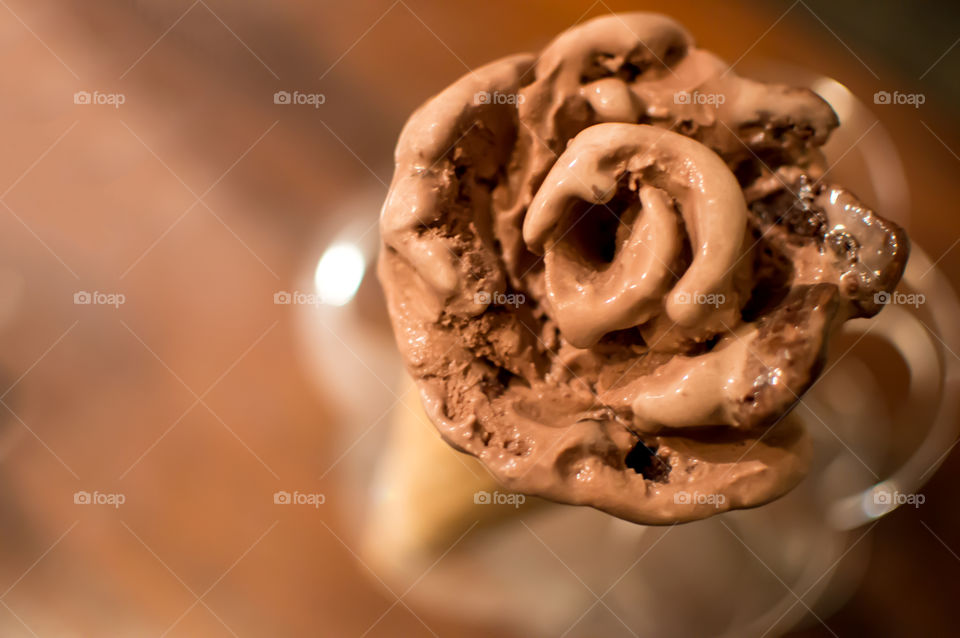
(613, 268)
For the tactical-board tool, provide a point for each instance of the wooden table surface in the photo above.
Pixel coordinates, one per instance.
(197, 199)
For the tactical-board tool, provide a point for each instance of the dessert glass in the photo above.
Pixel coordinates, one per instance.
(883, 416)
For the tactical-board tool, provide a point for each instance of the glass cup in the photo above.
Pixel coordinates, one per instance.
(882, 418)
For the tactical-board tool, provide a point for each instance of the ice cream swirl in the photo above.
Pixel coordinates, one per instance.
(613, 266)
(661, 176)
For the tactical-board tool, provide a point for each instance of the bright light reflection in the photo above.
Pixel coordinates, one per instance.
(339, 273)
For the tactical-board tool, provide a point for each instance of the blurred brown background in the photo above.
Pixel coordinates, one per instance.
(198, 198)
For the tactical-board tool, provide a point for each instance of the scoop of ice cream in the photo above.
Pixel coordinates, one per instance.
(596, 289)
(613, 268)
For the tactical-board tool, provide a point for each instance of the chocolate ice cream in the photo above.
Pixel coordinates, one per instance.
(613, 269)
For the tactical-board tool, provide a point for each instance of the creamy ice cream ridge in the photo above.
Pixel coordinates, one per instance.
(613, 269)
